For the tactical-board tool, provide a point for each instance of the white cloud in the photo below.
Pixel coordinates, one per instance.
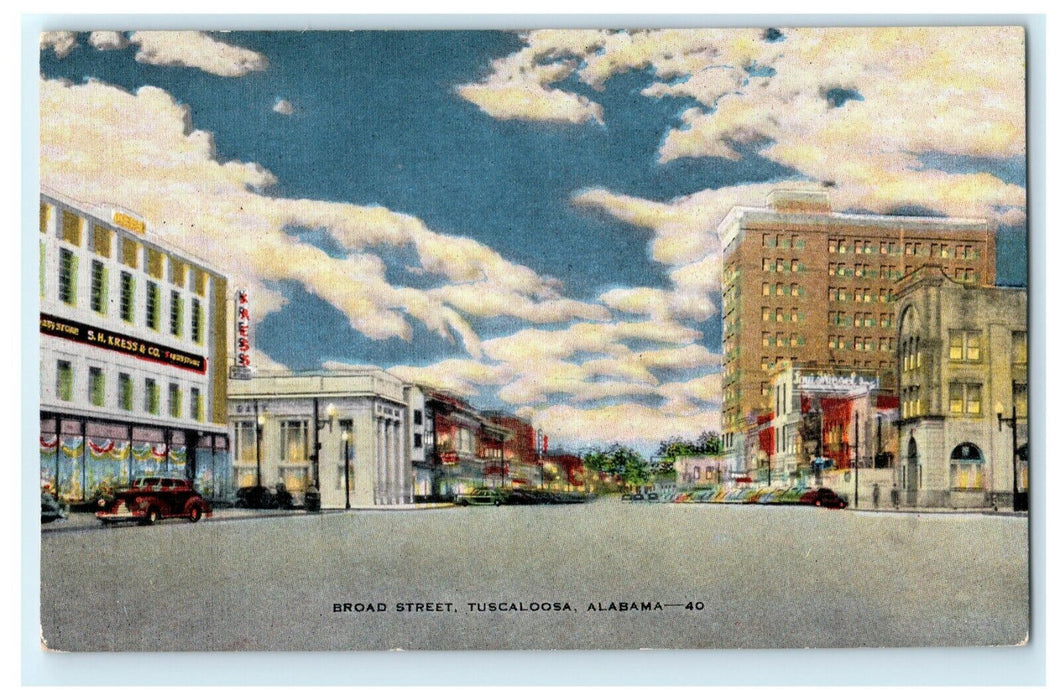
(107, 41)
(517, 87)
(283, 107)
(952, 90)
(196, 50)
(170, 175)
(60, 42)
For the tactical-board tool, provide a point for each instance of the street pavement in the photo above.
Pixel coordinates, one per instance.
(607, 574)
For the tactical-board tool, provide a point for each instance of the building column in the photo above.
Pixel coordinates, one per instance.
(399, 447)
(380, 457)
(391, 467)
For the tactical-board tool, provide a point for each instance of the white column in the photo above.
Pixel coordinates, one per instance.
(390, 462)
(380, 457)
(401, 465)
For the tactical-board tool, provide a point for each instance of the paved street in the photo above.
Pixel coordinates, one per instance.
(528, 577)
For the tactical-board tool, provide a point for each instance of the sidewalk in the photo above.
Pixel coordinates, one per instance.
(918, 510)
(82, 521)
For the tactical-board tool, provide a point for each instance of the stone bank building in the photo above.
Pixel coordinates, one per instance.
(962, 368)
(307, 430)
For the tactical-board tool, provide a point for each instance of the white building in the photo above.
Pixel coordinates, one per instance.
(364, 426)
(133, 355)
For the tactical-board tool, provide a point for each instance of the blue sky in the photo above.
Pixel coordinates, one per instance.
(528, 219)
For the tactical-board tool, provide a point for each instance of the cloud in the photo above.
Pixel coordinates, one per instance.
(60, 42)
(107, 41)
(460, 376)
(517, 85)
(282, 106)
(953, 90)
(170, 175)
(196, 50)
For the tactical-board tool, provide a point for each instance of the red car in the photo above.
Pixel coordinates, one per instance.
(153, 498)
(823, 498)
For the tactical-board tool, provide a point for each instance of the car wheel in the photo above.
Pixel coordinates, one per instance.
(195, 513)
(152, 517)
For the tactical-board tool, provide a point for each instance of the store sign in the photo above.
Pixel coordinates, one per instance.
(243, 330)
(828, 382)
(119, 342)
(450, 458)
(129, 222)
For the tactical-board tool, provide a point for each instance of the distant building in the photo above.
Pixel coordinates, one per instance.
(360, 415)
(962, 354)
(697, 470)
(827, 419)
(808, 286)
(133, 352)
(468, 446)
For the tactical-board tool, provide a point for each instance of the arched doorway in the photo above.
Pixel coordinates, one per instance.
(967, 467)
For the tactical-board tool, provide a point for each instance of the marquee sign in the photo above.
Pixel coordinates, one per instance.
(829, 382)
(119, 342)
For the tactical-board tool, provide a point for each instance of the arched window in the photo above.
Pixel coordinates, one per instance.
(966, 467)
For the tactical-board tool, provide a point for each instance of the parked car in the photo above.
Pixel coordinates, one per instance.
(153, 498)
(480, 497)
(257, 497)
(51, 509)
(823, 498)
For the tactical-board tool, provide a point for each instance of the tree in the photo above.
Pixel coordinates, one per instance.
(621, 461)
(709, 443)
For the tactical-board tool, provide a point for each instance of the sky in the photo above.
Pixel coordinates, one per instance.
(527, 219)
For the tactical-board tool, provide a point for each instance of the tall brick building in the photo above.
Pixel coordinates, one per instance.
(815, 288)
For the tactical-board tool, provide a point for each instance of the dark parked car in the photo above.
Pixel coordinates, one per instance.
(823, 498)
(258, 497)
(153, 498)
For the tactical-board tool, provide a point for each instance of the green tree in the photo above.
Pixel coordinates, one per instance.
(621, 461)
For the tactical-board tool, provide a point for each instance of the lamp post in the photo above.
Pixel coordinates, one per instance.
(346, 456)
(857, 453)
(1015, 448)
(259, 425)
(313, 492)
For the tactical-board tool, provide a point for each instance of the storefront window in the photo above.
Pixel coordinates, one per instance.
(107, 460)
(148, 452)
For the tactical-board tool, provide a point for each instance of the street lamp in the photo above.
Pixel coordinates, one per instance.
(258, 427)
(346, 453)
(313, 492)
(1015, 447)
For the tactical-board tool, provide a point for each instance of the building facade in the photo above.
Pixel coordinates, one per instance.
(829, 419)
(962, 356)
(307, 430)
(468, 448)
(133, 356)
(808, 286)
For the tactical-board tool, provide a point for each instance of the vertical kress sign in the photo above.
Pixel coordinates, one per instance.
(242, 368)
